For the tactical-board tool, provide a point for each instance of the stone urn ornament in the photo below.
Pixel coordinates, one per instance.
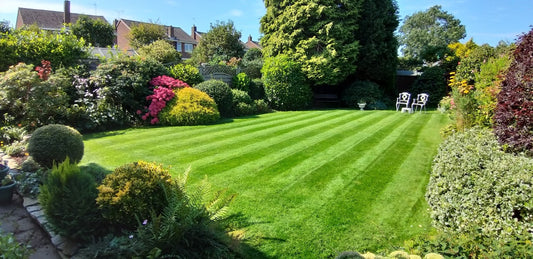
(361, 105)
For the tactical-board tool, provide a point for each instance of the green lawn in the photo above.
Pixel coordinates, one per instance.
(308, 184)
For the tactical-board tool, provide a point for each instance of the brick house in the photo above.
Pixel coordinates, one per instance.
(175, 35)
(250, 44)
(49, 20)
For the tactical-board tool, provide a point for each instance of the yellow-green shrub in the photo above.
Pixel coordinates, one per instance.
(132, 192)
(189, 107)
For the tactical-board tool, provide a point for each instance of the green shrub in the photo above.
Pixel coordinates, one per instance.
(252, 68)
(54, 143)
(30, 100)
(161, 51)
(242, 103)
(132, 192)
(477, 188)
(68, 200)
(432, 82)
(257, 89)
(261, 107)
(189, 107)
(221, 93)
(286, 86)
(241, 82)
(362, 91)
(186, 73)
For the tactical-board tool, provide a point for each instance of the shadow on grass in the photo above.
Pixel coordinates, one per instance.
(239, 221)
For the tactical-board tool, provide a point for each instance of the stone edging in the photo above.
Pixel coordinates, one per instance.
(65, 247)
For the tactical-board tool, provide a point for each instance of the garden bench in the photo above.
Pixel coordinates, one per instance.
(326, 98)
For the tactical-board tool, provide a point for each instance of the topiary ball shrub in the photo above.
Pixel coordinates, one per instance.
(513, 119)
(189, 107)
(54, 143)
(242, 103)
(362, 91)
(68, 196)
(132, 192)
(476, 188)
(286, 86)
(221, 93)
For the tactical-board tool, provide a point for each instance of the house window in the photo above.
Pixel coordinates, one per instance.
(188, 48)
(178, 46)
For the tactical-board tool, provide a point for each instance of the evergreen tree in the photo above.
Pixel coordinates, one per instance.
(378, 58)
(145, 33)
(320, 34)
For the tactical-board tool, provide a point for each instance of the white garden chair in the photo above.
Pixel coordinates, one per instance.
(421, 100)
(403, 99)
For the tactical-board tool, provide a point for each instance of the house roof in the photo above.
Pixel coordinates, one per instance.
(250, 44)
(45, 19)
(179, 34)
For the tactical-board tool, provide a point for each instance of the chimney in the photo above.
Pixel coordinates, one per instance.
(249, 38)
(170, 31)
(66, 14)
(193, 32)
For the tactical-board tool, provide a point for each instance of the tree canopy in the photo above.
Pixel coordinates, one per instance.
(378, 46)
(145, 33)
(320, 34)
(426, 35)
(95, 31)
(221, 42)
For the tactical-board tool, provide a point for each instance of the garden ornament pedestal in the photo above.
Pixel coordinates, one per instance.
(361, 106)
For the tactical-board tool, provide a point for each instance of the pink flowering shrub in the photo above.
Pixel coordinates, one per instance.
(163, 92)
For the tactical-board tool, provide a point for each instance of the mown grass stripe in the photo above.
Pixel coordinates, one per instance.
(262, 168)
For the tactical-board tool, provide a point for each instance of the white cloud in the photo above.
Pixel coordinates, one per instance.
(236, 13)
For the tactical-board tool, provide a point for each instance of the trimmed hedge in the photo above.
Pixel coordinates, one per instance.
(477, 188)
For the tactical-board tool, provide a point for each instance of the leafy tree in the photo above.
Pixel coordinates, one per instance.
(426, 35)
(221, 42)
(145, 33)
(161, 51)
(378, 58)
(95, 31)
(319, 34)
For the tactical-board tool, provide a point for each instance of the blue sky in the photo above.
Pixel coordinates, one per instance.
(487, 21)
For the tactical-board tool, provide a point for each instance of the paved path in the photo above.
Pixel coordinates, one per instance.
(15, 218)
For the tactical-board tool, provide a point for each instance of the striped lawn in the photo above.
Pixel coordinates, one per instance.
(308, 184)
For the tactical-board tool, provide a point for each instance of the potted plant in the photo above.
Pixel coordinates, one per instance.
(7, 185)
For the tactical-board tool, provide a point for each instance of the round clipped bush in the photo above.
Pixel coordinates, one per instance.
(285, 84)
(513, 119)
(221, 93)
(242, 103)
(477, 188)
(189, 107)
(54, 143)
(132, 192)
